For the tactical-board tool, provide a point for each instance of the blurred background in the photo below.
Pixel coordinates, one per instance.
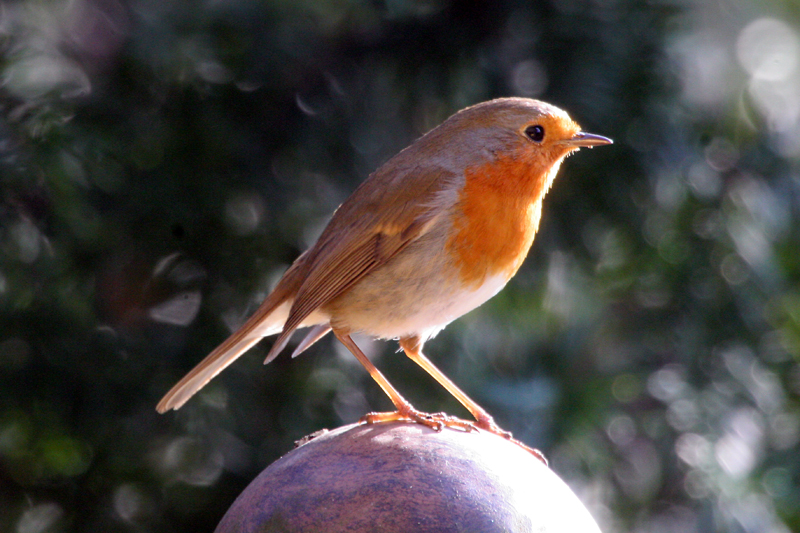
(162, 163)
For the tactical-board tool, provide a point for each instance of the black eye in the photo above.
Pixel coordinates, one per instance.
(535, 133)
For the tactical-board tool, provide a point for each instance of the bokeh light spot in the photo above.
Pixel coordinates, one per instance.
(768, 49)
(529, 78)
(40, 518)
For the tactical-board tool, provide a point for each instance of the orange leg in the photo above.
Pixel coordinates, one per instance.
(411, 346)
(484, 420)
(405, 411)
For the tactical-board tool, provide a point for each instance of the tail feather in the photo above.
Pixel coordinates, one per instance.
(279, 345)
(268, 320)
(316, 333)
(195, 380)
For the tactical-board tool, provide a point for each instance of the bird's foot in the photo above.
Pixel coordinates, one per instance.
(487, 423)
(435, 421)
(438, 421)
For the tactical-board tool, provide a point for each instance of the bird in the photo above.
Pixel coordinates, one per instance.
(432, 234)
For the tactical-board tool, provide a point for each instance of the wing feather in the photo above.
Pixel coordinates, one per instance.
(373, 226)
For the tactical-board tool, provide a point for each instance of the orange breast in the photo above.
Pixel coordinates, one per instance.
(497, 217)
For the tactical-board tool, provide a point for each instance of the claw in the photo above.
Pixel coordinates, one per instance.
(489, 425)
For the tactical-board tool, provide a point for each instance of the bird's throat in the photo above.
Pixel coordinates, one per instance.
(497, 216)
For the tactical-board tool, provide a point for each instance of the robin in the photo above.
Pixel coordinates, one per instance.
(432, 234)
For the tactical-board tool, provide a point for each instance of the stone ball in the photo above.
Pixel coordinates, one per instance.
(405, 477)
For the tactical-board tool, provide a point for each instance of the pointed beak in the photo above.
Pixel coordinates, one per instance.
(588, 140)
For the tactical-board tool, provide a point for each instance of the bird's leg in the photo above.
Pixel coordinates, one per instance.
(483, 420)
(405, 411)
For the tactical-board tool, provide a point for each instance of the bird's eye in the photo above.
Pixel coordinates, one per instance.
(535, 133)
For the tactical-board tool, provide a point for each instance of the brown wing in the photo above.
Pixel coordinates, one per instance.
(389, 211)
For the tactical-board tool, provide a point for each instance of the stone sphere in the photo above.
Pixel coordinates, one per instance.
(405, 477)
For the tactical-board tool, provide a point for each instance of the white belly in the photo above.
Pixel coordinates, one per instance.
(431, 319)
(408, 296)
(405, 298)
